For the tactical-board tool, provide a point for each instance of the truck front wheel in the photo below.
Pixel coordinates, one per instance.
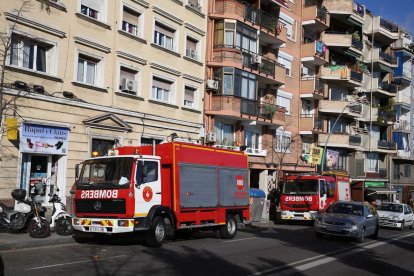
(229, 230)
(156, 233)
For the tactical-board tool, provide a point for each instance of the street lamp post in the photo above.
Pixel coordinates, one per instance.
(330, 131)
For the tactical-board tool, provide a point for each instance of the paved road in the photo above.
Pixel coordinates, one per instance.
(260, 250)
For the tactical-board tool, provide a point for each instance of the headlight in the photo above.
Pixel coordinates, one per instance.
(395, 217)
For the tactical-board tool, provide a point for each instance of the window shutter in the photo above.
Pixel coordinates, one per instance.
(130, 17)
(93, 4)
(164, 30)
(159, 83)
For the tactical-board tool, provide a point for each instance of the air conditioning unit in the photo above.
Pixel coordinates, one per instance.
(255, 59)
(211, 137)
(212, 84)
(192, 53)
(128, 85)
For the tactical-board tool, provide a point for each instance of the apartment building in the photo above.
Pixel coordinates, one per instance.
(252, 94)
(84, 75)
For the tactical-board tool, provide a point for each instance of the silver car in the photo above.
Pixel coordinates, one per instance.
(349, 219)
(395, 215)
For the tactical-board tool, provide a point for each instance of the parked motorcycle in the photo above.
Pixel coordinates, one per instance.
(31, 214)
(61, 220)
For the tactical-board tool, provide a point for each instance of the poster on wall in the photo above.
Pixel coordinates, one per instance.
(316, 155)
(43, 139)
(331, 158)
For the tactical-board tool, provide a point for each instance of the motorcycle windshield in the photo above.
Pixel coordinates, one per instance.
(106, 173)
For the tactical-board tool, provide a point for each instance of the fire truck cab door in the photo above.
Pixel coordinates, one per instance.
(147, 186)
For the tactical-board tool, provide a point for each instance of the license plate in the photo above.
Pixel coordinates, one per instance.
(334, 228)
(96, 229)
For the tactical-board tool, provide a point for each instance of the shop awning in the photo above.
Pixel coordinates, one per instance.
(386, 68)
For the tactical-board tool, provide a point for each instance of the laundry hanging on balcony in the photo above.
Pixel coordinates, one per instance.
(319, 48)
(344, 72)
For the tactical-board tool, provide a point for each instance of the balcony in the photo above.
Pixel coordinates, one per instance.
(343, 40)
(405, 44)
(271, 71)
(246, 110)
(405, 154)
(401, 126)
(383, 58)
(313, 53)
(311, 124)
(346, 76)
(391, 146)
(385, 31)
(232, 9)
(312, 88)
(346, 8)
(314, 16)
(338, 107)
(373, 84)
(340, 140)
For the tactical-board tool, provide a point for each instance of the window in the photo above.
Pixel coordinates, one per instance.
(161, 89)
(340, 126)
(306, 148)
(149, 171)
(286, 60)
(30, 53)
(191, 48)
(283, 141)
(189, 97)
(130, 21)
(224, 133)
(407, 171)
(95, 9)
(164, 36)
(87, 69)
(238, 82)
(396, 171)
(100, 147)
(290, 25)
(246, 38)
(372, 162)
(283, 99)
(195, 4)
(150, 141)
(308, 72)
(128, 80)
(251, 139)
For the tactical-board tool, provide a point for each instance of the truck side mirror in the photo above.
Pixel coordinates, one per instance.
(139, 175)
(76, 171)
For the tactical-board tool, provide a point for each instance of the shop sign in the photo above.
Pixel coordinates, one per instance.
(43, 139)
(374, 184)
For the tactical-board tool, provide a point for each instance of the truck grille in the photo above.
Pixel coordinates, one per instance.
(297, 205)
(101, 206)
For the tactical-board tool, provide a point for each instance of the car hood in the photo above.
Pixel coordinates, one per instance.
(340, 217)
(388, 214)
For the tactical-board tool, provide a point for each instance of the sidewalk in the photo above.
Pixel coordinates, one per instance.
(12, 241)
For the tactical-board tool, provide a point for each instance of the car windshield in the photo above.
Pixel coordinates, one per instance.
(301, 187)
(346, 209)
(397, 208)
(106, 173)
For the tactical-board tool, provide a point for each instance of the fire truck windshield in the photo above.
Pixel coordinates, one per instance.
(114, 172)
(301, 187)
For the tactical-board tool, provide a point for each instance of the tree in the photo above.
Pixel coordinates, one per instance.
(7, 104)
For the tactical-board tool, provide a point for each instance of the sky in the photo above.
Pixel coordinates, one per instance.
(400, 12)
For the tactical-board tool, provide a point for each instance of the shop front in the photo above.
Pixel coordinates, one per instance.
(43, 150)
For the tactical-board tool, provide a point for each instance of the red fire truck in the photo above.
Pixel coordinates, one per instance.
(159, 190)
(303, 195)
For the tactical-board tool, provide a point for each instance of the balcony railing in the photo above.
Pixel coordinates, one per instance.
(402, 125)
(356, 76)
(392, 88)
(358, 9)
(259, 63)
(321, 12)
(355, 140)
(357, 44)
(385, 116)
(388, 26)
(312, 122)
(387, 57)
(260, 109)
(261, 18)
(386, 145)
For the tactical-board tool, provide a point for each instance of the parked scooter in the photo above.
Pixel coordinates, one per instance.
(30, 215)
(61, 220)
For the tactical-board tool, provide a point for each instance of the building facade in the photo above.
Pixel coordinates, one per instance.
(85, 75)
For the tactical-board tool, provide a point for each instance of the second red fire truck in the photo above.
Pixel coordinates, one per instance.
(303, 195)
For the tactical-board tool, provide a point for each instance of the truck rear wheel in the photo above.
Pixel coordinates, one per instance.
(156, 233)
(229, 230)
